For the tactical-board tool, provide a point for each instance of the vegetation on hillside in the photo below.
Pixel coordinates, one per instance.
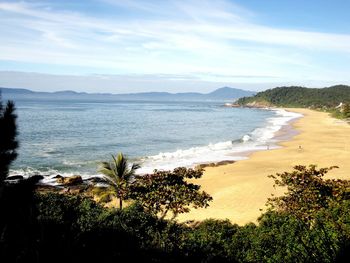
(326, 98)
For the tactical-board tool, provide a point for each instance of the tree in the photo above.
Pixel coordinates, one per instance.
(307, 192)
(118, 175)
(165, 191)
(19, 230)
(8, 140)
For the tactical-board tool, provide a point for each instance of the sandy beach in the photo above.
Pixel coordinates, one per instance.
(240, 190)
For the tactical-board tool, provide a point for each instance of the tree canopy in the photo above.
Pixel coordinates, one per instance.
(307, 191)
(170, 191)
(301, 97)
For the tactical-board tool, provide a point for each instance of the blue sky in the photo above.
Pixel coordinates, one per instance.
(122, 46)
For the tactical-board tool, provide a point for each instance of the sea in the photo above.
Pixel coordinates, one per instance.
(68, 137)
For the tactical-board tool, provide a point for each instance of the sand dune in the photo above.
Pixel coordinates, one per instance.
(241, 189)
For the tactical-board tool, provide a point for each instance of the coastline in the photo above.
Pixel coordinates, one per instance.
(240, 190)
(260, 138)
(214, 152)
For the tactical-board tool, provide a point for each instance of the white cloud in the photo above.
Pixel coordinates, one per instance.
(212, 40)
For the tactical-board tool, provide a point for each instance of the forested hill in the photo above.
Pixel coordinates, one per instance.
(299, 97)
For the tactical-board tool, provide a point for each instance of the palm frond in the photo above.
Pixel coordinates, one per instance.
(135, 166)
(107, 169)
(118, 173)
(110, 180)
(121, 165)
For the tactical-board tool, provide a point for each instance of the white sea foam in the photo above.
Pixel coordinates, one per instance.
(189, 157)
(246, 138)
(49, 174)
(259, 139)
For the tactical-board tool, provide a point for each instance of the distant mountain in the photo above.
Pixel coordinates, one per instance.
(69, 92)
(5, 91)
(226, 92)
(299, 97)
(222, 94)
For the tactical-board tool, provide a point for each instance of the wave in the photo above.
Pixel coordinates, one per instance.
(274, 124)
(187, 158)
(50, 174)
(261, 138)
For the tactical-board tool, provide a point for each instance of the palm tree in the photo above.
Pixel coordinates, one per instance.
(118, 174)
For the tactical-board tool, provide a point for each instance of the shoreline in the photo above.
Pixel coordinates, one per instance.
(285, 133)
(240, 190)
(218, 152)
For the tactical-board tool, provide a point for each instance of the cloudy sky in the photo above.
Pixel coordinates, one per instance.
(122, 46)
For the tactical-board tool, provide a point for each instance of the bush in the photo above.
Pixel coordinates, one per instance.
(64, 228)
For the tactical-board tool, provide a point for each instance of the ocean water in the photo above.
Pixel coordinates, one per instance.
(71, 137)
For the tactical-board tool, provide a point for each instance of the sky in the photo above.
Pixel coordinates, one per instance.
(123, 46)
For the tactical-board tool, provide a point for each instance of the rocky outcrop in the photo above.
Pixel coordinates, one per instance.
(14, 177)
(72, 180)
(65, 189)
(96, 180)
(204, 165)
(257, 104)
(232, 105)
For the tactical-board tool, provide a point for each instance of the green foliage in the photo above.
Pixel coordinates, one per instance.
(104, 194)
(335, 113)
(77, 212)
(18, 224)
(78, 226)
(169, 191)
(342, 112)
(301, 97)
(282, 237)
(75, 228)
(311, 223)
(319, 212)
(334, 225)
(346, 110)
(8, 141)
(279, 238)
(118, 175)
(211, 238)
(307, 192)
